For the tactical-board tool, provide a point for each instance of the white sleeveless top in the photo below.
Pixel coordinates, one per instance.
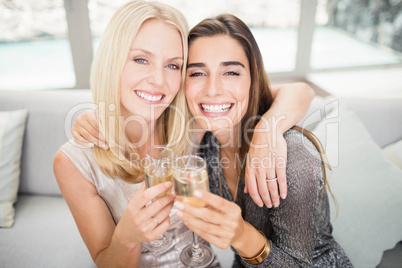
(117, 193)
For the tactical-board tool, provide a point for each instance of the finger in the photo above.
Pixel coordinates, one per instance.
(205, 226)
(90, 117)
(252, 187)
(245, 189)
(87, 122)
(160, 207)
(216, 240)
(88, 136)
(91, 135)
(213, 200)
(206, 214)
(159, 229)
(78, 138)
(263, 187)
(154, 218)
(281, 175)
(141, 199)
(273, 187)
(283, 188)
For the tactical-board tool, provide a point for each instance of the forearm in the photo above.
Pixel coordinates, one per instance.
(290, 104)
(119, 255)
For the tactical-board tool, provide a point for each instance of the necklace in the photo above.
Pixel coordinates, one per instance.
(219, 177)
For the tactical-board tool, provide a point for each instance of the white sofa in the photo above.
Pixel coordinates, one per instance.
(44, 233)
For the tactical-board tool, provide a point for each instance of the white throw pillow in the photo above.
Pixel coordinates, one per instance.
(367, 186)
(12, 125)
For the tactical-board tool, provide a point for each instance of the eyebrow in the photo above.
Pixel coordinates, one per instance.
(225, 63)
(228, 63)
(150, 53)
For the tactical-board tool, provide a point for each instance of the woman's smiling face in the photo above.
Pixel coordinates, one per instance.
(217, 82)
(152, 73)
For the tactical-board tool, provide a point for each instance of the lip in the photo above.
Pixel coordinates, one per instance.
(212, 114)
(150, 93)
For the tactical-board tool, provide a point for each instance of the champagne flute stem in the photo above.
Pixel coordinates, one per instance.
(196, 251)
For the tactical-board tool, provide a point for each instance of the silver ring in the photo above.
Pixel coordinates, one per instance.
(272, 180)
(156, 221)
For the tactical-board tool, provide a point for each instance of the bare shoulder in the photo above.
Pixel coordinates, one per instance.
(96, 228)
(69, 177)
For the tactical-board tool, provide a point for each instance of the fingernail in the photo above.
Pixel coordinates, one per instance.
(91, 145)
(179, 205)
(283, 196)
(260, 205)
(104, 146)
(167, 184)
(197, 193)
(178, 213)
(269, 206)
(276, 204)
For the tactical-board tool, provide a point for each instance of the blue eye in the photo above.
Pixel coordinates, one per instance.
(141, 61)
(173, 66)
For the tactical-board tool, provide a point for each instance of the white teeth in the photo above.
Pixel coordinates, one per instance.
(148, 97)
(216, 108)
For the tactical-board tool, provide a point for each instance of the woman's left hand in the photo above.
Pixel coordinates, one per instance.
(219, 222)
(266, 160)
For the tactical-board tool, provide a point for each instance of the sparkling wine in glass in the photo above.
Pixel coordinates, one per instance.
(190, 174)
(158, 168)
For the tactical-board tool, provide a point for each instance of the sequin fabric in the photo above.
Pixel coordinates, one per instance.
(117, 193)
(299, 229)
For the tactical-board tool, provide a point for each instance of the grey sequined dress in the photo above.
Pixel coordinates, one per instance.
(299, 229)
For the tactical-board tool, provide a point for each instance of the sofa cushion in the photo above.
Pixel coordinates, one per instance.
(12, 126)
(51, 115)
(44, 235)
(366, 185)
(394, 153)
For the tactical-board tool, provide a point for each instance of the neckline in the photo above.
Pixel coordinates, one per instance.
(221, 175)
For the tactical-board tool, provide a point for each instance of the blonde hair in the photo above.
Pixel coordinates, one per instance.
(105, 82)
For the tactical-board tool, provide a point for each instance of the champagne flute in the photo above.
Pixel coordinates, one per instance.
(190, 174)
(158, 165)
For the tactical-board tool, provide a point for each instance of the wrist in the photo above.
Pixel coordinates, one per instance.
(239, 241)
(250, 243)
(273, 123)
(121, 243)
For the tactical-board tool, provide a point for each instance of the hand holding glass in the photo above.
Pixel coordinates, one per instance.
(190, 174)
(158, 165)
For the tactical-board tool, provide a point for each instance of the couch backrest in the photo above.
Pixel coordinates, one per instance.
(51, 114)
(382, 118)
(48, 127)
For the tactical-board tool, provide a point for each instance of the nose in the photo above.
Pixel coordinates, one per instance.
(213, 87)
(157, 76)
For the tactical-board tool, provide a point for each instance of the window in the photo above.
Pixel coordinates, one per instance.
(352, 33)
(34, 49)
(274, 23)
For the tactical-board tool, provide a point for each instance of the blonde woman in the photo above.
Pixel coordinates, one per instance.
(137, 73)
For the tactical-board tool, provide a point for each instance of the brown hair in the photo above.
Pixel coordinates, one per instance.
(260, 97)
